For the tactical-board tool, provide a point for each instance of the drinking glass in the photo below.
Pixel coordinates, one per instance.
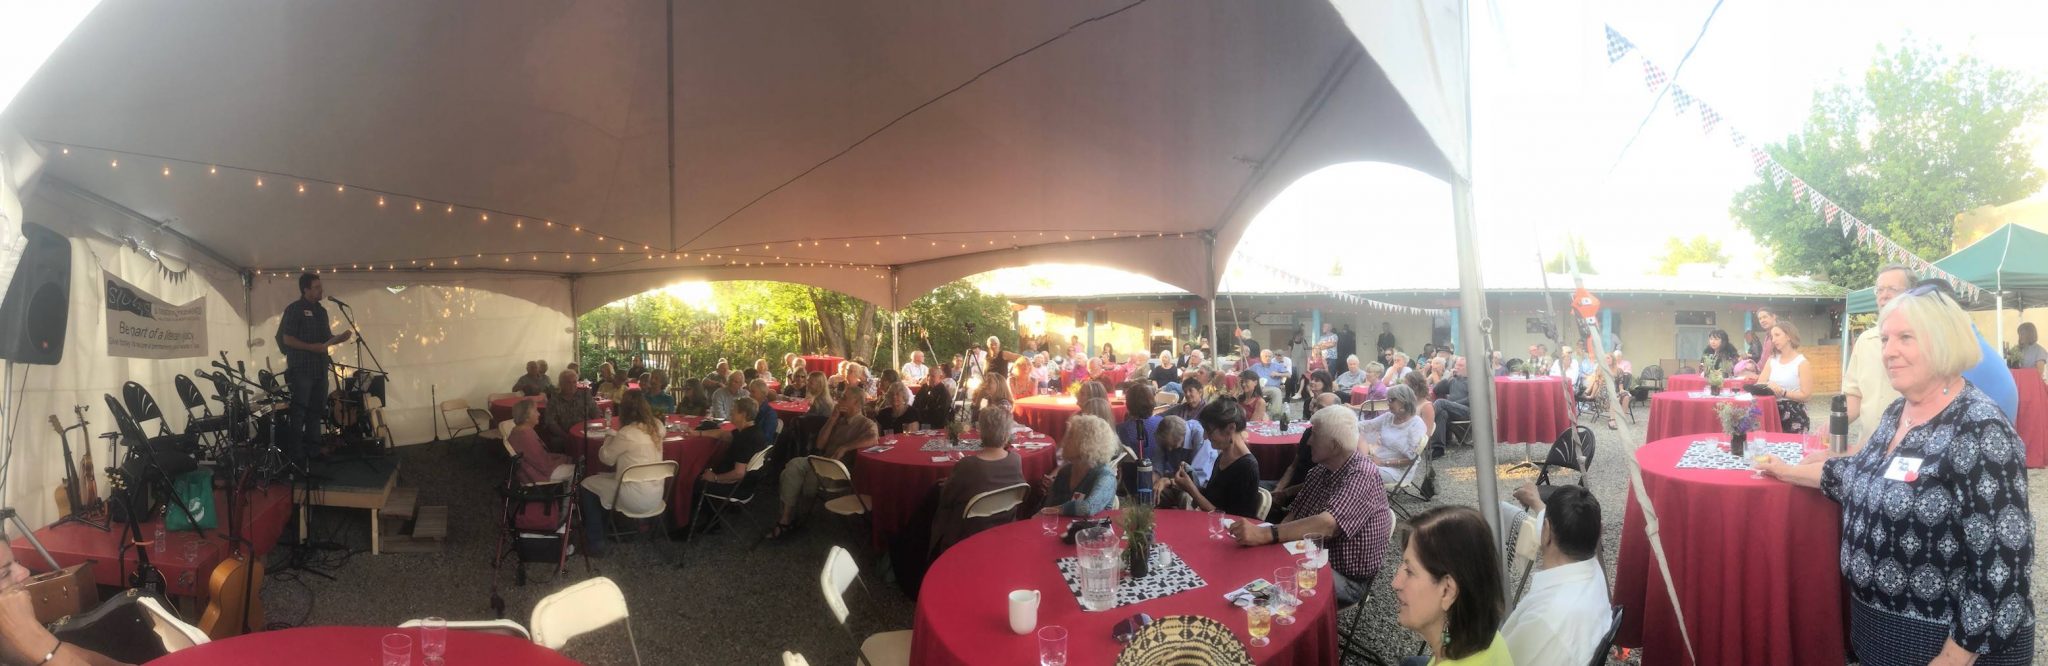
(1258, 621)
(1305, 578)
(1289, 597)
(191, 553)
(433, 638)
(1756, 470)
(1050, 522)
(1216, 525)
(397, 650)
(1312, 546)
(1052, 646)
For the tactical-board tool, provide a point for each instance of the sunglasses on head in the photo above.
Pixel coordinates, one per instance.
(1923, 290)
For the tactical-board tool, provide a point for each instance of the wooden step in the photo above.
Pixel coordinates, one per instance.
(400, 505)
(405, 544)
(431, 523)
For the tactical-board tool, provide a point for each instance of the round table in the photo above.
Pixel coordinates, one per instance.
(2033, 421)
(1692, 382)
(353, 646)
(1049, 413)
(1754, 560)
(970, 622)
(1114, 377)
(501, 409)
(790, 410)
(1536, 409)
(898, 479)
(691, 451)
(1676, 413)
(821, 363)
(1273, 449)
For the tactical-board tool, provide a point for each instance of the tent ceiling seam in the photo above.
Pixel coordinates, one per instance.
(94, 198)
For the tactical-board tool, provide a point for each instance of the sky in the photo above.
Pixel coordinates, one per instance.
(1551, 117)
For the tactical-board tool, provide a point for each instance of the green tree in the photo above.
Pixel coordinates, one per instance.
(1556, 263)
(1924, 137)
(1699, 249)
(955, 315)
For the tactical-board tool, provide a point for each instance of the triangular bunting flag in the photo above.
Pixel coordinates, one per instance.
(1832, 209)
(1735, 136)
(1617, 46)
(1798, 189)
(1708, 118)
(1680, 101)
(1757, 157)
(1846, 223)
(1653, 76)
(1816, 201)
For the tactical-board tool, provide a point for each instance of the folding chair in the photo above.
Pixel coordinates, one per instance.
(663, 471)
(468, 419)
(1348, 637)
(537, 522)
(1651, 381)
(1265, 503)
(835, 479)
(996, 502)
(1599, 657)
(841, 572)
(580, 609)
(142, 408)
(719, 497)
(1410, 484)
(1573, 449)
(499, 627)
(201, 424)
(175, 633)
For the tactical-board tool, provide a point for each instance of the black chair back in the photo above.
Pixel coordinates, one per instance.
(267, 380)
(142, 406)
(130, 431)
(188, 393)
(1607, 642)
(1573, 450)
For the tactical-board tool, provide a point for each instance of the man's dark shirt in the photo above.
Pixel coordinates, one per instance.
(1456, 389)
(1386, 342)
(1163, 375)
(305, 321)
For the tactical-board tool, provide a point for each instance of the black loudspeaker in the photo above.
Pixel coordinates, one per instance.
(37, 308)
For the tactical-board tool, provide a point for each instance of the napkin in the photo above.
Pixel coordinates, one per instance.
(941, 458)
(878, 449)
(1297, 546)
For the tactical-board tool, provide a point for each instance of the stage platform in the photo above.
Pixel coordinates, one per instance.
(356, 483)
(265, 516)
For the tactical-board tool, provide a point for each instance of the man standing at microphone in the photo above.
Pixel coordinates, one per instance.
(304, 334)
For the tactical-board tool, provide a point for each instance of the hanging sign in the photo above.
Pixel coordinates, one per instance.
(143, 326)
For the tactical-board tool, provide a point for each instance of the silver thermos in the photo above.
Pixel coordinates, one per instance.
(1838, 426)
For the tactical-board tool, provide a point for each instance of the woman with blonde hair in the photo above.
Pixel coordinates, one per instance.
(1944, 580)
(1086, 484)
(637, 441)
(994, 392)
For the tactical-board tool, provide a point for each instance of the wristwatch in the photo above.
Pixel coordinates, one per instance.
(1275, 531)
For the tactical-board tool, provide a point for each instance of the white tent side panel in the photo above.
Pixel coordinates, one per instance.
(87, 373)
(463, 336)
(1424, 40)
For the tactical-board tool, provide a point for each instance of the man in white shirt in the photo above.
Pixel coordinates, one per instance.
(1565, 614)
(915, 371)
(1865, 384)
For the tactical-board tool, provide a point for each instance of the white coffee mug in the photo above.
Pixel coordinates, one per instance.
(1023, 611)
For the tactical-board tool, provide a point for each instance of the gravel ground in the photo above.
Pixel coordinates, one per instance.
(738, 601)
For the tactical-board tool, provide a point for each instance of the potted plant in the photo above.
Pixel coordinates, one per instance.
(1714, 379)
(2013, 358)
(1737, 420)
(1138, 523)
(955, 427)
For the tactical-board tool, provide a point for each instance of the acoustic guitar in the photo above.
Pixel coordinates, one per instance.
(235, 589)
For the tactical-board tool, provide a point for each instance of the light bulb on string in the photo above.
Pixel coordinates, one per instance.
(337, 189)
(167, 171)
(212, 170)
(380, 202)
(302, 188)
(113, 164)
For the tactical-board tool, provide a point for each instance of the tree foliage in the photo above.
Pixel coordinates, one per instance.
(1923, 138)
(1699, 249)
(953, 317)
(1556, 262)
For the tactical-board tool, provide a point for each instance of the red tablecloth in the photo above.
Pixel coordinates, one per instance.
(1754, 560)
(1699, 383)
(970, 622)
(1114, 377)
(691, 452)
(355, 646)
(825, 364)
(789, 410)
(1676, 413)
(1530, 410)
(1049, 413)
(265, 514)
(1274, 452)
(898, 479)
(501, 409)
(2033, 421)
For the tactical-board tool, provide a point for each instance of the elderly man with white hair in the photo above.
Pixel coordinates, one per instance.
(1342, 499)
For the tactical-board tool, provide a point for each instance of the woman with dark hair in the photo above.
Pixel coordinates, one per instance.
(934, 403)
(1249, 397)
(1751, 361)
(1140, 426)
(1720, 353)
(1234, 479)
(1318, 383)
(1449, 588)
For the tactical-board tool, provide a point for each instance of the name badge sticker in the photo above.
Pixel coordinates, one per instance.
(1903, 469)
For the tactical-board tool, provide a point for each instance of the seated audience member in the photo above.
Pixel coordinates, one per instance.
(818, 389)
(915, 371)
(1541, 363)
(1450, 588)
(1564, 615)
(533, 383)
(893, 414)
(1086, 484)
(1021, 383)
(728, 467)
(793, 367)
(1233, 486)
(2032, 354)
(569, 405)
(843, 433)
(637, 441)
(694, 402)
(23, 638)
(632, 374)
(1424, 406)
(994, 393)
(765, 417)
(934, 403)
(1099, 408)
(1433, 371)
(722, 370)
(1318, 382)
(1136, 430)
(608, 385)
(1452, 406)
(1342, 499)
(1165, 376)
(994, 466)
(761, 371)
(1272, 376)
(1394, 438)
(1353, 375)
(657, 392)
(1177, 447)
(536, 463)
(1192, 398)
(721, 401)
(1251, 396)
(749, 375)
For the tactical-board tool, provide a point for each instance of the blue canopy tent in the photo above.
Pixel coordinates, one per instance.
(2007, 264)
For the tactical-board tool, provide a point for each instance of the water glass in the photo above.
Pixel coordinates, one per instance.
(1258, 621)
(1289, 597)
(1217, 527)
(1306, 577)
(1052, 646)
(191, 553)
(433, 638)
(397, 650)
(1313, 547)
(1050, 522)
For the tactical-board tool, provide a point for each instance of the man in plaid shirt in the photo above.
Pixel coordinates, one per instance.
(1342, 499)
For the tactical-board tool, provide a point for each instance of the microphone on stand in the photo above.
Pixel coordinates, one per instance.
(337, 301)
(1838, 426)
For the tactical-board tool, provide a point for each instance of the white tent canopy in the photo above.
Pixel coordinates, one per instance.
(927, 141)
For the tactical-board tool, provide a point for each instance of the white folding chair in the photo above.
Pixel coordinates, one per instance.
(1410, 483)
(833, 476)
(459, 406)
(505, 429)
(662, 471)
(793, 659)
(175, 633)
(996, 502)
(718, 498)
(883, 649)
(1265, 503)
(580, 609)
(500, 627)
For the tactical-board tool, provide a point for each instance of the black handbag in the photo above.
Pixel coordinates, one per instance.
(122, 629)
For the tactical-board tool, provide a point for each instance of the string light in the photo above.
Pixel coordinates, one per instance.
(167, 171)
(451, 209)
(212, 170)
(519, 224)
(302, 188)
(113, 164)
(416, 206)
(337, 189)
(380, 202)
(66, 151)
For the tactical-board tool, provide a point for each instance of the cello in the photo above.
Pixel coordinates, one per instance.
(234, 603)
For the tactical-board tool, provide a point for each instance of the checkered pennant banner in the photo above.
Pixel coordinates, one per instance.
(1680, 102)
(1709, 118)
(1617, 46)
(1653, 76)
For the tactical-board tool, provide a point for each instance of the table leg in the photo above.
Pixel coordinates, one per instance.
(375, 533)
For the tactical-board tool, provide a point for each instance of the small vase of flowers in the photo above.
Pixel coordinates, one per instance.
(1138, 523)
(1737, 421)
(1715, 380)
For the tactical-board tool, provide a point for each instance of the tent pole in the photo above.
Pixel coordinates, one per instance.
(2000, 302)
(1472, 298)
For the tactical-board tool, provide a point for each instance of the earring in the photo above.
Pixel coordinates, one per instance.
(1446, 642)
(1944, 390)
